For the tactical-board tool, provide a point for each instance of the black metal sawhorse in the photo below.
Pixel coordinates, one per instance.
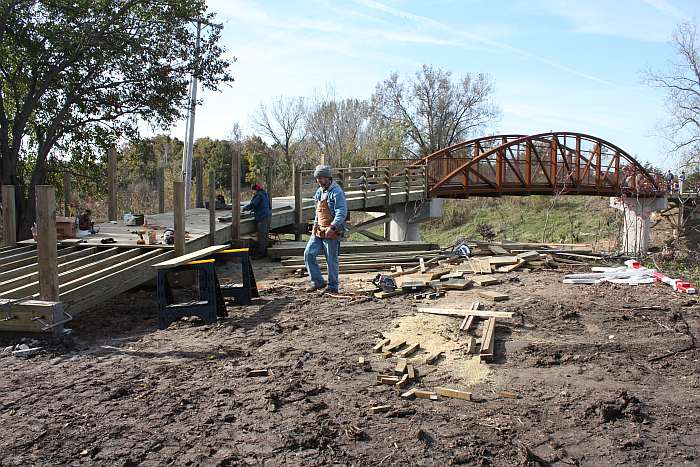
(210, 303)
(241, 294)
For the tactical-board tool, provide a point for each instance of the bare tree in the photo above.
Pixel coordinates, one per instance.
(337, 128)
(283, 123)
(433, 110)
(682, 85)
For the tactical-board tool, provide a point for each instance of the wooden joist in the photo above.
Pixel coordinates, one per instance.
(488, 339)
(492, 295)
(195, 255)
(461, 313)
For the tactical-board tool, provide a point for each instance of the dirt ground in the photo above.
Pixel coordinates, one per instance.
(579, 357)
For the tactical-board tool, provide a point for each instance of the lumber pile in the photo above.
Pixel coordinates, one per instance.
(289, 249)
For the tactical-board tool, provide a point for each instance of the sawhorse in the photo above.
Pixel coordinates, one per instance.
(240, 294)
(210, 303)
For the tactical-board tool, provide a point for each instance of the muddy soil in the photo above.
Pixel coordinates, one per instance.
(589, 366)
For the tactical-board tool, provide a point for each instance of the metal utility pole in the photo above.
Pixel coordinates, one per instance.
(189, 139)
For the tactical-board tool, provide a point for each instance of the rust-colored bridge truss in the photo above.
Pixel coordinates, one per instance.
(546, 163)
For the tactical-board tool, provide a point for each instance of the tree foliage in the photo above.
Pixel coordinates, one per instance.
(682, 85)
(76, 75)
(434, 111)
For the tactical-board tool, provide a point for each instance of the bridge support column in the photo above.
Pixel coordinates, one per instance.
(636, 227)
(406, 219)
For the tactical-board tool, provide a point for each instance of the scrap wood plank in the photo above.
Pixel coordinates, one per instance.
(411, 372)
(529, 255)
(453, 393)
(409, 350)
(378, 348)
(432, 358)
(469, 318)
(184, 259)
(488, 339)
(380, 408)
(422, 264)
(401, 366)
(511, 267)
(456, 284)
(395, 346)
(484, 281)
(425, 395)
(461, 313)
(492, 295)
(502, 260)
(498, 250)
(403, 382)
(393, 293)
(410, 394)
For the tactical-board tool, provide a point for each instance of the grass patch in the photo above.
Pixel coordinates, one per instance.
(567, 219)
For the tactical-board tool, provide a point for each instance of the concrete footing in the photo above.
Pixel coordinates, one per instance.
(405, 220)
(636, 229)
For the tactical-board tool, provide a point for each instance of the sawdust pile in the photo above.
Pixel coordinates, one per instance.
(439, 334)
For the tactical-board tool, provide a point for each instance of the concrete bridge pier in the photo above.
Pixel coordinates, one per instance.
(636, 228)
(406, 219)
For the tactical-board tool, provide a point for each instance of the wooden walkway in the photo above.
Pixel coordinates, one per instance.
(90, 272)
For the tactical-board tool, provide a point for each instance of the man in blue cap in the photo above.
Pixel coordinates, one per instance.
(331, 211)
(262, 208)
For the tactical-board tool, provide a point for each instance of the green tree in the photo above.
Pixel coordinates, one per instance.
(82, 73)
(260, 161)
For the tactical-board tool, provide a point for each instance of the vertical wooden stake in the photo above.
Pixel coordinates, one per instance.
(160, 175)
(298, 213)
(199, 173)
(9, 216)
(112, 184)
(46, 242)
(236, 196)
(212, 209)
(179, 213)
(66, 194)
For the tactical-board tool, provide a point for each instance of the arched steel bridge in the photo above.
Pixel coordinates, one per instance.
(547, 164)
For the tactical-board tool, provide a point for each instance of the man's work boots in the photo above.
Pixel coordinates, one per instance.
(313, 287)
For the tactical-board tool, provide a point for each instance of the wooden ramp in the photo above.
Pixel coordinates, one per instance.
(91, 272)
(88, 275)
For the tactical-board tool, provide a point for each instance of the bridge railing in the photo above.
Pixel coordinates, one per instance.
(372, 182)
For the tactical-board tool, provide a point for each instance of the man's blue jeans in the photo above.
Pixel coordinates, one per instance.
(331, 248)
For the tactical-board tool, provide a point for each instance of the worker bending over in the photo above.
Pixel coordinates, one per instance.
(331, 211)
(262, 208)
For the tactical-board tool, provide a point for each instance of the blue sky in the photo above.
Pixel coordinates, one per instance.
(557, 64)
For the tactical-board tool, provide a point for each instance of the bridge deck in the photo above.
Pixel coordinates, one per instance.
(91, 272)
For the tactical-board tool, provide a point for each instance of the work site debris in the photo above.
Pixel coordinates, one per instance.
(453, 393)
(633, 273)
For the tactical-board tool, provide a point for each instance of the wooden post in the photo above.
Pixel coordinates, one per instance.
(212, 208)
(46, 242)
(9, 216)
(199, 173)
(160, 180)
(236, 196)
(112, 184)
(298, 200)
(179, 213)
(66, 194)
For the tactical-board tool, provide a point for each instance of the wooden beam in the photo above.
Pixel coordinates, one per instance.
(179, 214)
(236, 196)
(488, 339)
(66, 194)
(120, 280)
(199, 174)
(9, 216)
(28, 274)
(212, 208)
(75, 274)
(46, 242)
(461, 313)
(298, 199)
(112, 184)
(180, 260)
(160, 180)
